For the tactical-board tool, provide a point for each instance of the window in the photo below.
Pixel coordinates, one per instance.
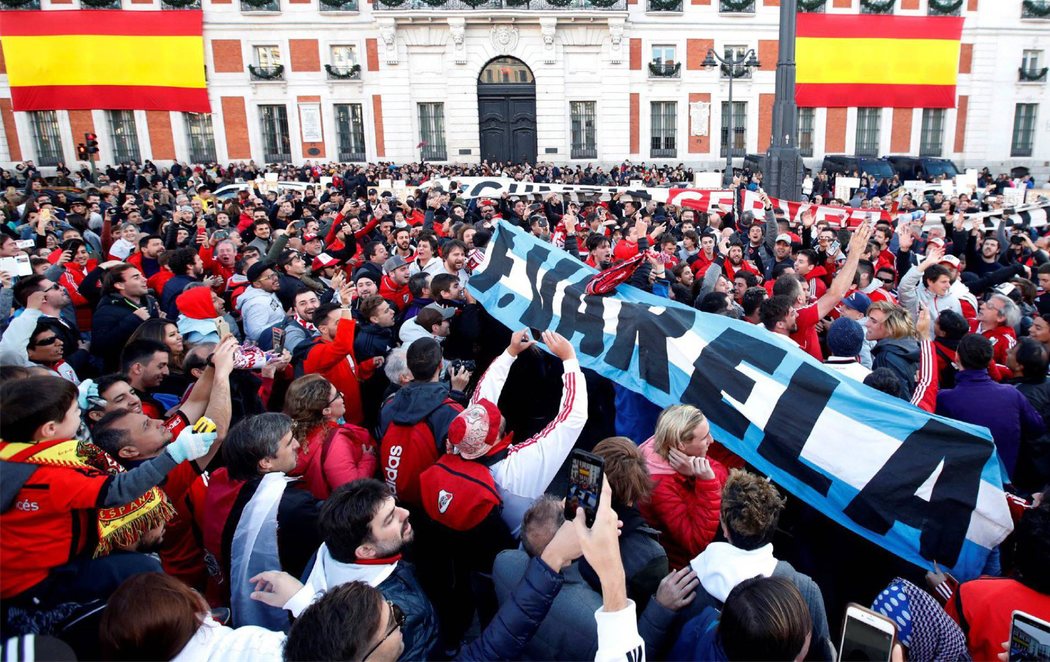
(1024, 129)
(273, 120)
(664, 132)
(506, 70)
(582, 115)
(1035, 8)
(260, 5)
(46, 138)
(124, 136)
(945, 7)
(739, 127)
(343, 62)
(877, 6)
(201, 137)
(806, 119)
(350, 129)
(267, 63)
(736, 7)
(931, 140)
(735, 54)
(868, 131)
(432, 131)
(664, 64)
(1032, 69)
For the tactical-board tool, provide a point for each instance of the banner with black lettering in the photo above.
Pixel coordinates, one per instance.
(922, 486)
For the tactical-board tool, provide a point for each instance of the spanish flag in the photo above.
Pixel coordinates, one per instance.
(876, 61)
(105, 59)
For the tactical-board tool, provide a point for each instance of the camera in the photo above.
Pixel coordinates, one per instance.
(455, 365)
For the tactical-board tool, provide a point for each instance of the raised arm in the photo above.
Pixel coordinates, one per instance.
(844, 278)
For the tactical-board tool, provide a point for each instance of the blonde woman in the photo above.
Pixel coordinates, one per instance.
(896, 342)
(687, 485)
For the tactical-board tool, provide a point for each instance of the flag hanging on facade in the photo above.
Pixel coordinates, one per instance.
(846, 60)
(105, 59)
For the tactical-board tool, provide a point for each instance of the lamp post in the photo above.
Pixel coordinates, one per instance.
(745, 62)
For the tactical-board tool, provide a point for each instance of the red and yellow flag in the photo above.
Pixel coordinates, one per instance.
(876, 61)
(105, 59)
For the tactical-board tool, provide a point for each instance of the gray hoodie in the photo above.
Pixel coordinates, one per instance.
(259, 311)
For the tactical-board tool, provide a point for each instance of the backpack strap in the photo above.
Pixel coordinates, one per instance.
(495, 458)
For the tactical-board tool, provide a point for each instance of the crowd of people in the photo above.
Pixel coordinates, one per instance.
(281, 426)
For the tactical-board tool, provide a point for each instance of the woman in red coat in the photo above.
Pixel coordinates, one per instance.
(76, 269)
(329, 454)
(687, 490)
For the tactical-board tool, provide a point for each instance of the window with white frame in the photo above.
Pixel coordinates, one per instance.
(735, 53)
(806, 120)
(739, 127)
(350, 130)
(267, 56)
(868, 120)
(1024, 129)
(664, 129)
(931, 138)
(201, 137)
(1032, 68)
(123, 135)
(343, 61)
(46, 138)
(432, 131)
(582, 117)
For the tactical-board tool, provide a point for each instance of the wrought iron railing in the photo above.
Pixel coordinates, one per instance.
(660, 69)
(260, 5)
(338, 5)
(736, 6)
(352, 72)
(266, 73)
(1035, 9)
(1032, 75)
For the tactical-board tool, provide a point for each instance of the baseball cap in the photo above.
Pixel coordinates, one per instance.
(951, 261)
(447, 312)
(858, 301)
(307, 238)
(475, 430)
(393, 264)
(323, 260)
(785, 237)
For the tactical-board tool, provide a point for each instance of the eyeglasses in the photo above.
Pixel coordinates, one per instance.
(54, 286)
(397, 620)
(338, 396)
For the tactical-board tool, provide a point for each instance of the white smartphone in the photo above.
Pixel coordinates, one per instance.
(866, 635)
(1029, 638)
(18, 265)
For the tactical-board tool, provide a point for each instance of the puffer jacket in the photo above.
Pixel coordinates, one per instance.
(421, 627)
(685, 509)
(901, 355)
(333, 455)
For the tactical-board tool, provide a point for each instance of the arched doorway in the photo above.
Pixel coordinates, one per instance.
(507, 111)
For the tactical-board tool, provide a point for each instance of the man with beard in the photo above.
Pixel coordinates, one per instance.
(403, 244)
(781, 253)
(188, 268)
(454, 258)
(146, 258)
(735, 264)
(125, 304)
(131, 438)
(987, 261)
(364, 533)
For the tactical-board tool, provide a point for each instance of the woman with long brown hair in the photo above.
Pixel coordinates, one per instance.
(330, 454)
(166, 332)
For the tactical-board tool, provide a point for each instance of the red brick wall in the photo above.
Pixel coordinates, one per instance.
(765, 121)
(81, 122)
(700, 144)
(226, 54)
(161, 141)
(308, 146)
(768, 51)
(900, 132)
(965, 58)
(305, 55)
(372, 54)
(377, 113)
(8, 117)
(696, 51)
(235, 124)
(635, 123)
(835, 131)
(636, 55)
(960, 123)
(771, 3)
(700, 2)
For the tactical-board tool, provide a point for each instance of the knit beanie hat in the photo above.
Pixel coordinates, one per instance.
(475, 430)
(845, 337)
(196, 303)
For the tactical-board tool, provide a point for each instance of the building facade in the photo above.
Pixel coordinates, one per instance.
(588, 81)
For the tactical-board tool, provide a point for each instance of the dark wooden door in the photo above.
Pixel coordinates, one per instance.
(507, 122)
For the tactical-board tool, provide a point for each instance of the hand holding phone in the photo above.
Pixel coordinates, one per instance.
(222, 327)
(866, 635)
(1029, 638)
(278, 339)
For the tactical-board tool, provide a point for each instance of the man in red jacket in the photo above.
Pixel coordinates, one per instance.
(333, 357)
(996, 320)
(394, 285)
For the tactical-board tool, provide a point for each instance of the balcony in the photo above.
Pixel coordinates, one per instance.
(100, 4)
(663, 152)
(945, 8)
(491, 5)
(1035, 9)
(736, 72)
(266, 74)
(338, 5)
(812, 6)
(583, 152)
(277, 157)
(351, 157)
(736, 6)
(260, 5)
(877, 6)
(19, 4)
(661, 69)
(668, 6)
(343, 73)
(1032, 75)
(181, 4)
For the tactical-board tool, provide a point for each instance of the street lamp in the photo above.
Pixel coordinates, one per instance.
(742, 63)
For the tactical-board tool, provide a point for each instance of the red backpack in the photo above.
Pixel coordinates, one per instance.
(405, 452)
(460, 493)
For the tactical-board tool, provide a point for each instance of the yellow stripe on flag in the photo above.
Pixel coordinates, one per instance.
(877, 61)
(105, 60)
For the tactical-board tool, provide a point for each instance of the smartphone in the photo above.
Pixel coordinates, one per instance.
(25, 244)
(866, 635)
(585, 485)
(18, 265)
(45, 213)
(222, 327)
(278, 339)
(1029, 638)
